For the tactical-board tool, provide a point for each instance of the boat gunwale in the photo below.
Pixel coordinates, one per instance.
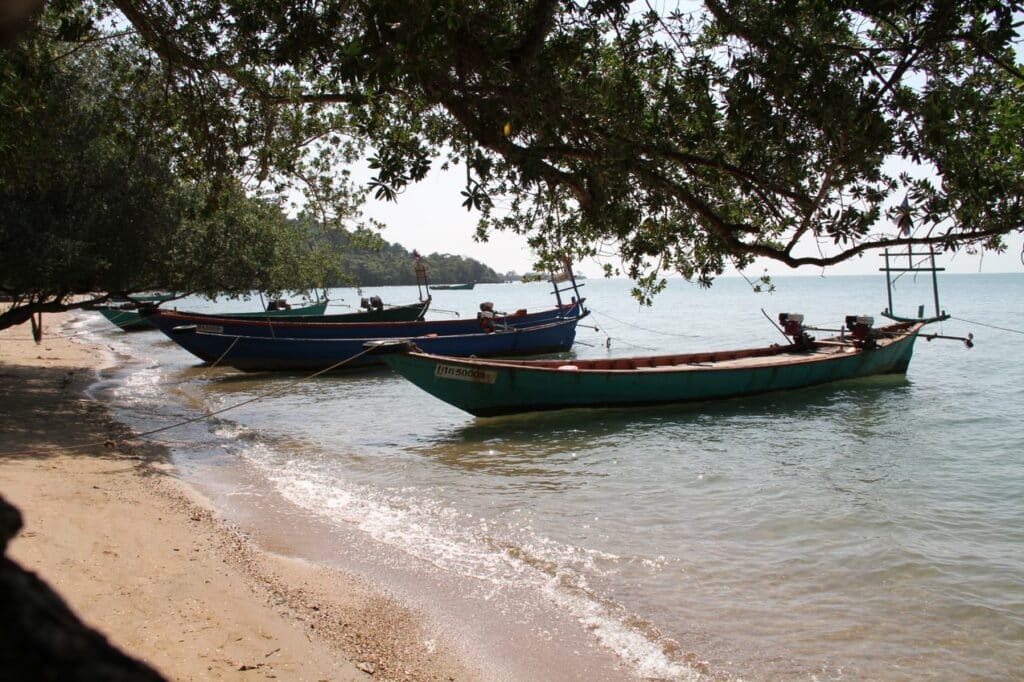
(687, 362)
(184, 316)
(189, 328)
(281, 318)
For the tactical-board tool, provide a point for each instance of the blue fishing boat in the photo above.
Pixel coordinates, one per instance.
(259, 353)
(372, 311)
(495, 387)
(168, 320)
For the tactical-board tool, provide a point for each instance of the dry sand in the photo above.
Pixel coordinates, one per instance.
(139, 556)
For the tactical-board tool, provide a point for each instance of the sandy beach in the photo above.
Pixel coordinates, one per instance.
(140, 556)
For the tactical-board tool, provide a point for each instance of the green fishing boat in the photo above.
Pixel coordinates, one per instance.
(158, 297)
(495, 387)
(127, 316)
(453, 287)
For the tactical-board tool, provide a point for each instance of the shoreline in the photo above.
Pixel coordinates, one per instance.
(142, 556)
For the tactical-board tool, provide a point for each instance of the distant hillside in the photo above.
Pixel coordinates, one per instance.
(369, 260)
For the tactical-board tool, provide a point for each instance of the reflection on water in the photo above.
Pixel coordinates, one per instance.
(230, 380)
(505, 445)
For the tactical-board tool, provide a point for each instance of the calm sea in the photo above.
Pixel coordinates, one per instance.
(872, 529)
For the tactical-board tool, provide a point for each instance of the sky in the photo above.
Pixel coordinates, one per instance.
(429, 217)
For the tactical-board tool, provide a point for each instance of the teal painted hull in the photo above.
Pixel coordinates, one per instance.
(489, 388)
(129, 319)
(145, 298)
(453, 287)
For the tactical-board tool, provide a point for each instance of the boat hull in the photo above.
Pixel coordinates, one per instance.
(126, 319)
(453, 287)
(290, 354)
(130, 320)
(496, 388)
(410, 312)
(168, 320)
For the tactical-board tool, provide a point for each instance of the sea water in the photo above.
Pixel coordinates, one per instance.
(870, 529)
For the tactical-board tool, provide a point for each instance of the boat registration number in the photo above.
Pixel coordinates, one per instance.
(210, 328)
(474, 374)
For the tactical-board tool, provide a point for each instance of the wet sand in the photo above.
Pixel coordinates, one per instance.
(141, 557)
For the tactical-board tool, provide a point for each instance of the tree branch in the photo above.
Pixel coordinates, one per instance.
(541, 20)
(20, 314)
(1011, 69)
(881, 243)
(515, 155)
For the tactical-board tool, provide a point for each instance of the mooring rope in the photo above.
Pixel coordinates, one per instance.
(266, 394)
(990, 326)
(636, 326)
(225, 353)
(608, 339)
(631, 345)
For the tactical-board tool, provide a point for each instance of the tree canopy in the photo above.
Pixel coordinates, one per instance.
(368, 260)
(92, 196)
(680, 138)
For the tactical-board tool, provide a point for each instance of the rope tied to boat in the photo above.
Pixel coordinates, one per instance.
(209, 415)
(225, 353)
(644, 329)
(990, 326)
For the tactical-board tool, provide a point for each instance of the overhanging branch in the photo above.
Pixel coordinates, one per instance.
(943, 239)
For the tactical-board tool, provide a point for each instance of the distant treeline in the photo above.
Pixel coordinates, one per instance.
(369, 260)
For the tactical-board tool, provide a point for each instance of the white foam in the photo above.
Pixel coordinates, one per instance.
(232, 430)
(496, 555)
(457, 542)
(646, 658)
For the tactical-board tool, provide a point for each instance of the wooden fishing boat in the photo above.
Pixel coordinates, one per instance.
(122, 311)
(156, 297)
(125, 316)
(168, 320)
(494, 387)
(130, 317)
(261, 353)
(409, 312)
(453, 287)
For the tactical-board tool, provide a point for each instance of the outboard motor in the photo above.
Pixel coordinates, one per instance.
(861, 330)
(793, 327)
(486, 317)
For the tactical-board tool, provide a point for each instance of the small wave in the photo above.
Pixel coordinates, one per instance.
(498, 555)
(229, 430)
(610, 627)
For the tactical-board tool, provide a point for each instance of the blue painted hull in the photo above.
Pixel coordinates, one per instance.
(410, 312)
(168, 320)
(252, 353)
